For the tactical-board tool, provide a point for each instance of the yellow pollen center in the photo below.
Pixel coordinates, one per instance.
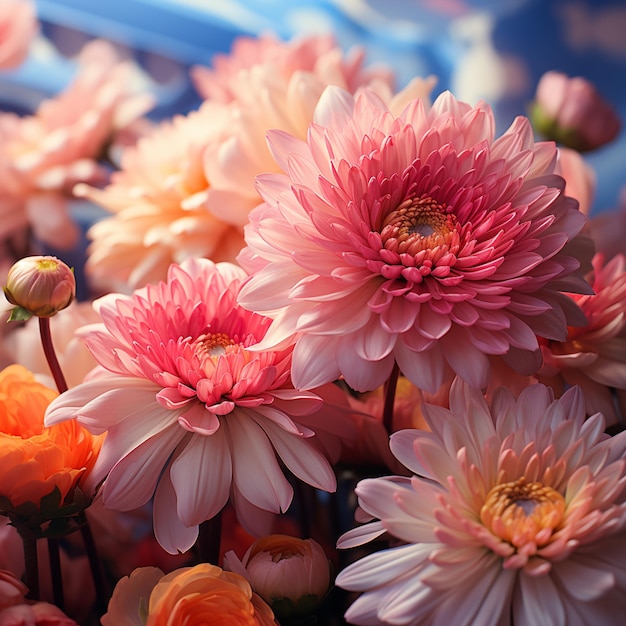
(523, 513)
(214, 344)
(417, 224)
(47, 265)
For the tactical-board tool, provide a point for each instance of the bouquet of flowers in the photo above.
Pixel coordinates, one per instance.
(346, 354)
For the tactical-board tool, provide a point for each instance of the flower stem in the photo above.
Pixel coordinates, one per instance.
(51, 357)
(55, 572)
(31, 563)
(94, 563)
(209, 540)
(390, 397)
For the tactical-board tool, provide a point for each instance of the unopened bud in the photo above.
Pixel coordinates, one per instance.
(40, 286)
(571, 112)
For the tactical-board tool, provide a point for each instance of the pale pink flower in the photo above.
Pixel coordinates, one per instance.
(594, 356)
(418, 239)
(192, 415)
(515, 514)
(156, 200)
(42, 156)
(572, 112)
(608, 229)
(18, 27)
(270, 84)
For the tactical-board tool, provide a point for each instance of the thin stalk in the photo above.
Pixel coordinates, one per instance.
(51, 357)
(31, 562)
(94, 563)
(55, 572)
(390, 397)
(209, 540)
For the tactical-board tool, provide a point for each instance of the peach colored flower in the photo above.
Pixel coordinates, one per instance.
(193, 416)
(445, 244)
(270, 84)
(573, 113)
(515, 514)
(23, 344)
(18, 27)
(42, 156)
(594, 356)
(204, 594)
(36, 460)
(291, 574)
(157, 204)
(608, 229)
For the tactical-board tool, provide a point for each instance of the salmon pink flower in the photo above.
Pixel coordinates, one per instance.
(594, 356)
(193, 415)
(515, 514)
(18, 26)
(416, 238)
(42, 156)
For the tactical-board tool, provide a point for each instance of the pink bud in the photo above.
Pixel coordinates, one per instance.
(42, 285)
(571, 112)
(292, 575)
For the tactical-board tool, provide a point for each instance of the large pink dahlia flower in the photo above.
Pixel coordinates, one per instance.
(418, 239)
(516, 514)
(192, 416)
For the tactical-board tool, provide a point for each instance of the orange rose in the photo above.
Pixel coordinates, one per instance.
(194, 596)
(35, 460)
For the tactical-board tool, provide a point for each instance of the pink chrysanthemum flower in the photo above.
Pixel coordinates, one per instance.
(594, 356)
(515, 515)
(192, 416)
(418, 239)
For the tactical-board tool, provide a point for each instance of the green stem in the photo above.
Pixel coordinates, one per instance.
(31, 562)
(94, 563)
(55, 572)
(390, 397)
(51, 357)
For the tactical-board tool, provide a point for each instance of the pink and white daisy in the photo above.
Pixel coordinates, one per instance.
(594, 356)
(192, 415)
(515, 514)
(415, 238)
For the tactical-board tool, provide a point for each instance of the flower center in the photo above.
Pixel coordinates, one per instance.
(214, 344)
(417, 224)
(523, 513)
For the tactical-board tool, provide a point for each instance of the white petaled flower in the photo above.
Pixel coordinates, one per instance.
(515, 514)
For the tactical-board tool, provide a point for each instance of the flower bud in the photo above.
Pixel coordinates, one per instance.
(571, 112)
(292, 575)
(40, 285)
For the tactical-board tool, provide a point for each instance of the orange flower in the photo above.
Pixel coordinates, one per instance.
(34, 460)
(204, 594)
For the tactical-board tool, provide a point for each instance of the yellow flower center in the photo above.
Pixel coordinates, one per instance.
(214, 344)
(523, 513)
(417, 224)
(47, 264)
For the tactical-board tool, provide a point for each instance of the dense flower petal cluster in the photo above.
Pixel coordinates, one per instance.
(190, 411)
(515, 513)
(444, 243)
(36, 460)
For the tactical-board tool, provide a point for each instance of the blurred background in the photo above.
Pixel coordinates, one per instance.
(480, 49)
